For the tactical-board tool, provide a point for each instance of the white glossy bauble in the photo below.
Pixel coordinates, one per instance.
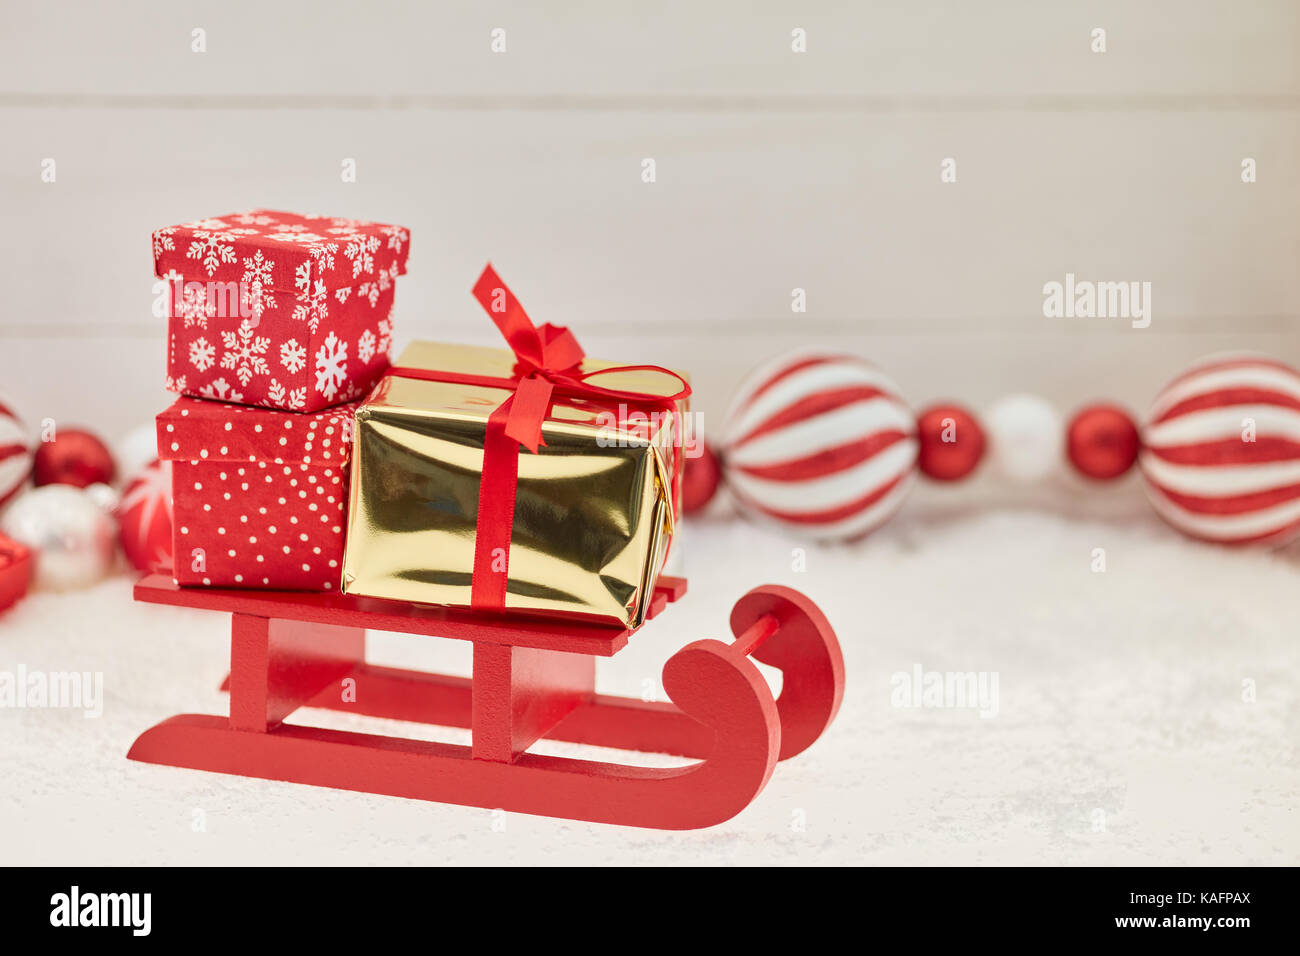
(74, 540)
(1026, 437)
(137, 449)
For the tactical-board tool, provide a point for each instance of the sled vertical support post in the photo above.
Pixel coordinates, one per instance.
(277, 665)
(521, 693)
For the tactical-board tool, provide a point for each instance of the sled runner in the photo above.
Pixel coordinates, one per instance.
(532, 679)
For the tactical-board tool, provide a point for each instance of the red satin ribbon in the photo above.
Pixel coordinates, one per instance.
(549, 360)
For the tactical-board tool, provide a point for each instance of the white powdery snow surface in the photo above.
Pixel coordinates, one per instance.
(1123, 734)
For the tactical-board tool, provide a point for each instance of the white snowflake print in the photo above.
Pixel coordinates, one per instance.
(331, 365)
(162, 241)
(195, 306)
(257, 284)
(310, 306)
(293, 234)
(202, 354)
(372, 290)
(397, 237)
(220, 389)
(245, 353)
(343, 293)
(287, 398)
(251, 219)
(311, 309)
(320, 307)
(366, 346)
(213, 248)
(293, 356)
(323, 253)
(211, 225)
(361, 249)
(174, 384)
(188, 301)
(385, 336)
(258, 269)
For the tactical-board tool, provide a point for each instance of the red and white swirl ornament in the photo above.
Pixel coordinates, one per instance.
(15, 454)
(144, 519)
(820, 443)
(1221, 451)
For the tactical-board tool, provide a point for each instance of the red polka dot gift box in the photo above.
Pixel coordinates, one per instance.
(276, 309)
(259, 496)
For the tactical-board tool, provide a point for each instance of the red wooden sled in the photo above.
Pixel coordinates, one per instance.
(532, 679)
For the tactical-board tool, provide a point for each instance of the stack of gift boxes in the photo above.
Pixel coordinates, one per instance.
(277, 324)
(528, 479)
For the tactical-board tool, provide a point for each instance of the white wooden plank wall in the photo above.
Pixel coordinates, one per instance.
(775, 170)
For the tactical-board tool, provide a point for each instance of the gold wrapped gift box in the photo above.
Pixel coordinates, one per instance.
(593, 511)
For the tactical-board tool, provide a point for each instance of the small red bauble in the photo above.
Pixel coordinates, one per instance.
(75, 457)
(700, 480)
(145, 518)
(952, 442)
(1102, 441)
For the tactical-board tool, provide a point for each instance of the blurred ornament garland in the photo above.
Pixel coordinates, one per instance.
(822, 444)
(61, 517)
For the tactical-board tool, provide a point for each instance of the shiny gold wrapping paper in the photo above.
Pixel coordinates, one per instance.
(593, 518)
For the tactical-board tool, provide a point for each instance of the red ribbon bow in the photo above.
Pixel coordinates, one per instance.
(549, 365)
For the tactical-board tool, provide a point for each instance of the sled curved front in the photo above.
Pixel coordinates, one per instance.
(803, 645)
(722, 711)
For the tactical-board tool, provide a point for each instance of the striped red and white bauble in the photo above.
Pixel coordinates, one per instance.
(144, 518)
(821, 444)
(15, 454)
(1221, 451)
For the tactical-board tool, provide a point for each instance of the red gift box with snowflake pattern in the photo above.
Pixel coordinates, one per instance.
(279, 310)
(259, 496)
